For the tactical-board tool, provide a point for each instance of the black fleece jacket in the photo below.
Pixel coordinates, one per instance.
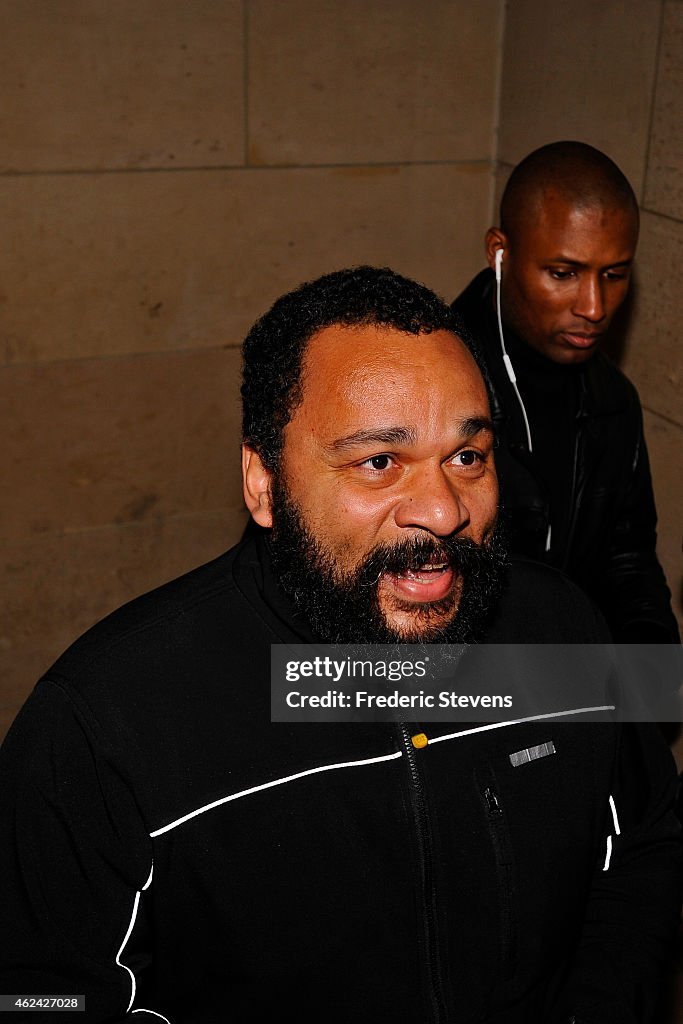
(588, 476)
(167, 851)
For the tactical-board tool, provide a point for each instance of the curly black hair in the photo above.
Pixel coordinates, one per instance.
(274, 348)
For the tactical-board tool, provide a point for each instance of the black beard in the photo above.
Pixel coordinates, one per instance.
(344, 608)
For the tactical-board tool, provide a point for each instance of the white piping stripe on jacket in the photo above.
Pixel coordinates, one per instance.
(617, 830)
(368, 760)
(520, 721)
(269, 785)
(608, 855)
(136, 904)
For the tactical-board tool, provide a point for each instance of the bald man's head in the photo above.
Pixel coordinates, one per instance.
(567, 239)
(577, 173)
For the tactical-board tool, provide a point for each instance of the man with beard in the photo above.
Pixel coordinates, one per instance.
(171, 852)
(573, 464)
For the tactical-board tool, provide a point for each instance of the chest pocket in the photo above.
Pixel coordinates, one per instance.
(500, 838)
(543, 812)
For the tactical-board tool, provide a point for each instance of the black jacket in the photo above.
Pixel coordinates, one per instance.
(167, 850)
(608, 547)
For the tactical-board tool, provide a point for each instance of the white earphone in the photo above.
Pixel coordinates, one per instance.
(498, 262)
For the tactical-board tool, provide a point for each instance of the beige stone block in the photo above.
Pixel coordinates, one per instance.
(134, 83)
(664, 180)
(582, 71)
(665, 447)
(653, 357)
(92, 442)
(56, 586)
(427, 222)
(106, 264)
(371, 80)
(503, 172)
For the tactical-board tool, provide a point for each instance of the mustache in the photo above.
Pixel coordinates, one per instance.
(461, 554)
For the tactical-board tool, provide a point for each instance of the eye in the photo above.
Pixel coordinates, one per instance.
(616, 275)
(468, 458)
(378, 462)
(560, 275)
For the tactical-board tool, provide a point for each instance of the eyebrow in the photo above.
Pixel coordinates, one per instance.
(467, 427)
(578, 263)
(472, 425)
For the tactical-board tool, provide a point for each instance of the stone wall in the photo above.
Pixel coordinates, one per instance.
(167, 169)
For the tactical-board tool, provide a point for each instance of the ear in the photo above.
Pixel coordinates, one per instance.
(256, 481)
(495, 239)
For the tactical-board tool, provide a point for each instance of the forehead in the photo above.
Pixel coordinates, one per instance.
(357, 376)
(557, 224)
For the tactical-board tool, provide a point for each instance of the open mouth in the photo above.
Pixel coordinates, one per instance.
(426, 573)
(432, 581)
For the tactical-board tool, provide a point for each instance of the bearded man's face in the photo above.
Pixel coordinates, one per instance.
(384, 506)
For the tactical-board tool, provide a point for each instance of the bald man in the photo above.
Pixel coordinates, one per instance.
(572, 461)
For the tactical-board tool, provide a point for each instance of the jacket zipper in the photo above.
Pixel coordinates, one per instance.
(426, 864)
(575, 494)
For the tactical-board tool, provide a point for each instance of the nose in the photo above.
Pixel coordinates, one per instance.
(432, 501)
(589, 301)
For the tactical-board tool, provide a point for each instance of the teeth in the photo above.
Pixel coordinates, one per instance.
(429, 567)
